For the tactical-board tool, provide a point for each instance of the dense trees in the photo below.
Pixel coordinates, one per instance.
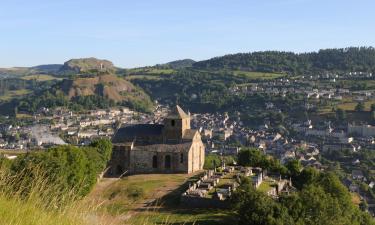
(213, 160)
(66, 167)
(360, 107)
(322, 199)
(255, 158)
(328, 60)
(256, 208)
(340, 115)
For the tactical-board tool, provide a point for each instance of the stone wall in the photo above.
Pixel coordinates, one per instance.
(196, 155)
(142, 162)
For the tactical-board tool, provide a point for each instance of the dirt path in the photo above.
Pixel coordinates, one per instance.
(151, 203)
(168, 183)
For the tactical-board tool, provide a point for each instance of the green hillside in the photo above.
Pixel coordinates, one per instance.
(326, 60)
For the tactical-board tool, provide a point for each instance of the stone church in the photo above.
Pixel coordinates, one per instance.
(171, 147)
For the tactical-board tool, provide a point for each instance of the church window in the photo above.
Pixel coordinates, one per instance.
(182, 158)
(173, 122)
(154, 161)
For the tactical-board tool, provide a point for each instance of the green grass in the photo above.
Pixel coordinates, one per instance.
(124, 195)
(15, 211)
(160, 71)
(265, 186)
(151, 71)
(186, 217)
(166, 189)
(14, 94)
(258, 75)
(248, 74)
(42, 204)
(40, 77)
(352, 105)
(144, 77)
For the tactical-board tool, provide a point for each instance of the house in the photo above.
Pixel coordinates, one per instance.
(357, 174)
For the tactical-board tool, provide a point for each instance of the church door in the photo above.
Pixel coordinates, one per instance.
(119, 170)
(167, 162)
(154, 162)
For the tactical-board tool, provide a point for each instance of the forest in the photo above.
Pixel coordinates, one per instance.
(312, 63)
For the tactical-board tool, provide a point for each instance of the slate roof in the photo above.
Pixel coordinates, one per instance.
(184, 147)
(128, 133)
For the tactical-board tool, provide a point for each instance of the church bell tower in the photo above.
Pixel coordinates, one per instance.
(175, 125)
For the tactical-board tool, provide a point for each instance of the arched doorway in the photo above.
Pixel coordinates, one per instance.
(119, 170)
(154, 162)
(167, 162)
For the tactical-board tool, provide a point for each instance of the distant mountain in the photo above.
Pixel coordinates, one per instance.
(14, 72)
(87, 65)
(327, 60)
(71, 67)
(24, 71)
(178, 64)
(49, 68)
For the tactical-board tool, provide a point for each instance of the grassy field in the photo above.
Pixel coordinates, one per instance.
(186, 217)
(265, 186)
(14, 94)
(14, 211)
(148, 74)
(149, 71)
(12, 152)
(40, 77)
(352, 105)
(144, 77)
(152, 199)
(33, 209)
(258, 75)
(23, 116)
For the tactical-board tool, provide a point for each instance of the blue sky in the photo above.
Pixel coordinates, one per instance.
(139, 32)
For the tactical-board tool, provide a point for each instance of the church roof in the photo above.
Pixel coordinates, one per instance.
(128, 133)
(177, 113)
(184, 147)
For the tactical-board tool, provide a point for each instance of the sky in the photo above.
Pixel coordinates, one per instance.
(134, 33)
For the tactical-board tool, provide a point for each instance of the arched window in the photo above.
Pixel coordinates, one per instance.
(167, 162)
(182, 158)
(173, 122)
(154, 162)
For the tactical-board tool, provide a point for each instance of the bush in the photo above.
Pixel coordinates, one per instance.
(70, 167)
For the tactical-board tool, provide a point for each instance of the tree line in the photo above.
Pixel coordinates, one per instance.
(328, 60)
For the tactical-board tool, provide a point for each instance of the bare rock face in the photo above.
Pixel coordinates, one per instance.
(86, 65)
(107, 85)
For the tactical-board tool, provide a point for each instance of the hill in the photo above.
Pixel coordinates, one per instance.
(327, 60)
(179, 64)
(25, 71)
(89, 83)
(82, 93)
(86, 65)
(48, 68)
